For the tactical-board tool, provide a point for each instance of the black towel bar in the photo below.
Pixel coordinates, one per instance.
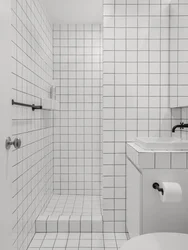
(33, 106)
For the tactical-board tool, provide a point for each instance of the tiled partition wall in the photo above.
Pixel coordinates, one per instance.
(114, 114)
(136, 71)
(77, 71)
(32, 165)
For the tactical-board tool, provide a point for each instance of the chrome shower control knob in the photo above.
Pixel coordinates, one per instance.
(17, 143)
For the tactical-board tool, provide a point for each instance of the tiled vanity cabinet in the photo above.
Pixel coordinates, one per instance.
(146, 213)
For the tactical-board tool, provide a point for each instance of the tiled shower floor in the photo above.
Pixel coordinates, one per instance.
(71, 213)
(74, 223)
(78, 241)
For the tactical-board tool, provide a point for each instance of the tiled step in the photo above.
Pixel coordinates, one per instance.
(69, 224)
(71, 213)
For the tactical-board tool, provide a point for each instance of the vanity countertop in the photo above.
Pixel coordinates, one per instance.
(151, 159)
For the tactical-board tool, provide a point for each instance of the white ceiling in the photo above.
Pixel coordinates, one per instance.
(74, 11)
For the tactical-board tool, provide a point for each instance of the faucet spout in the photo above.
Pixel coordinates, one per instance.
(181, 126)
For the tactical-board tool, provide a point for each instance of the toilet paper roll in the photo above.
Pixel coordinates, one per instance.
(172, 192)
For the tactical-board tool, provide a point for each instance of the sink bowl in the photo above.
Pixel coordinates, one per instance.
(162, 143)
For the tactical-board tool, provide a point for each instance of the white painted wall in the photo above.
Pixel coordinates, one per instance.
(74, 11)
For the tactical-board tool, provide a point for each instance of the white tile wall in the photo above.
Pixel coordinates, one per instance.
(178, 52)
(136, 78)
(32, 165)
(178, 55)
(77, 71)
(148, 111)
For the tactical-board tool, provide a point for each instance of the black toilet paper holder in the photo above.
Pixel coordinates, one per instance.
(157, 187)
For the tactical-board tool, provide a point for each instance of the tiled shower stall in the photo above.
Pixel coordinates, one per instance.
(77, 73)
(112, 85)
(57, 174)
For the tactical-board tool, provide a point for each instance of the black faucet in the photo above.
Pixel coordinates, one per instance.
(181, 126)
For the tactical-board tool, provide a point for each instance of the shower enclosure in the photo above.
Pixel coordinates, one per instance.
(56, 175)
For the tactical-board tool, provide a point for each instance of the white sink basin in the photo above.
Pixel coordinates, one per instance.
(162, 143)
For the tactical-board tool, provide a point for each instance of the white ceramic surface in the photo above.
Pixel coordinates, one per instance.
(158, 241)
(162, 143)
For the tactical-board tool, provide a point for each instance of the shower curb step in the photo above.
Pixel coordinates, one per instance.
(69, 224)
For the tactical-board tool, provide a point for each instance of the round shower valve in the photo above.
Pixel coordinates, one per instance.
(16, 143)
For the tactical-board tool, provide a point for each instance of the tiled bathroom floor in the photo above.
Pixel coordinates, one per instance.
(78, 241)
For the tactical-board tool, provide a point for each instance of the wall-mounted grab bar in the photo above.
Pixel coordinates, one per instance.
(33, 106)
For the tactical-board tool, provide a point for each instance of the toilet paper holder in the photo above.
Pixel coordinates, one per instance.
(157, 187)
